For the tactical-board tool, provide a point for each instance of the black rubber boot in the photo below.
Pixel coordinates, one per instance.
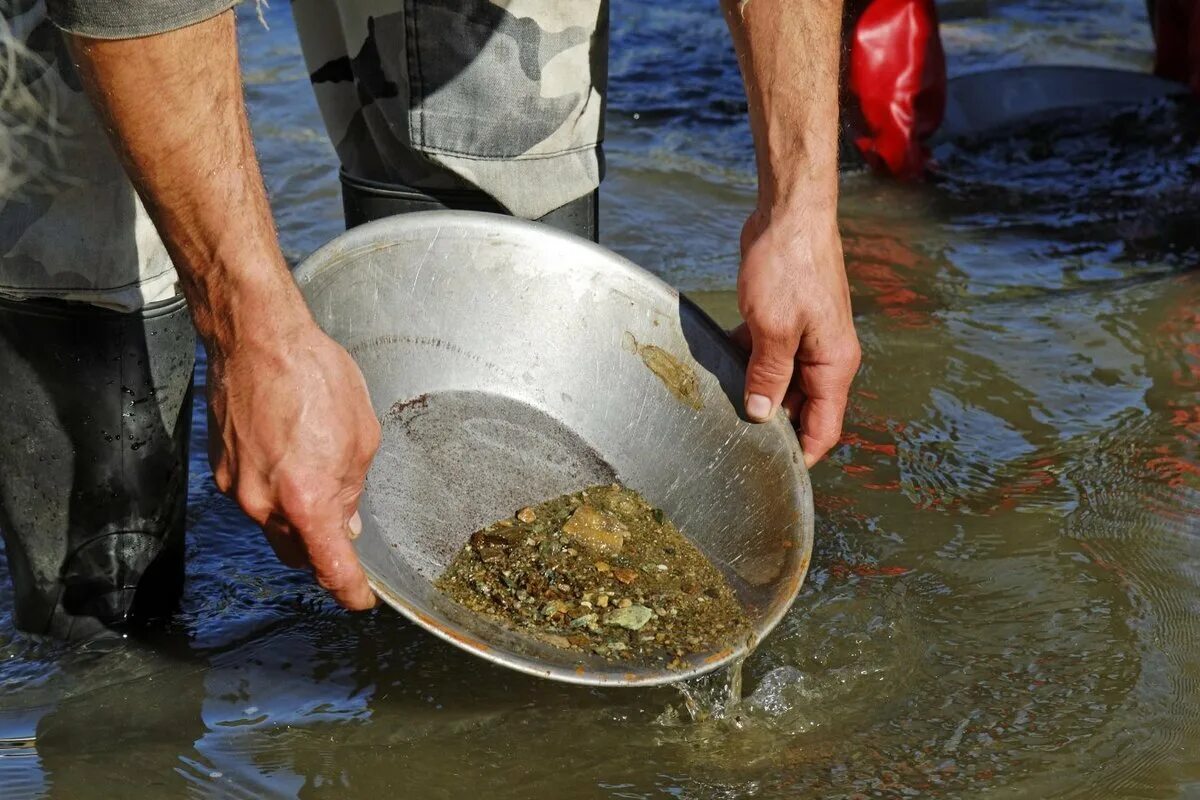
(95, 415)
(366, 201)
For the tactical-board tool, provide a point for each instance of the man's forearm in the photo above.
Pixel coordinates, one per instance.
(293, 431)
(173, 106)
(789, 52)
(792, 289)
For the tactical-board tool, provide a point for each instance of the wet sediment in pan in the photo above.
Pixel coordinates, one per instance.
(599, 571)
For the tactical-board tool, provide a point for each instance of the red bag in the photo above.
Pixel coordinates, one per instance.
(897, 83)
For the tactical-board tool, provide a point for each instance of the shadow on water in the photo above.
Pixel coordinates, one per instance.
(254, 716)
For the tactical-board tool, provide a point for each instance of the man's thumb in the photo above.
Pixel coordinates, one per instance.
(768, 375)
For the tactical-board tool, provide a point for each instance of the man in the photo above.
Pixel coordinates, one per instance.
(493, 104)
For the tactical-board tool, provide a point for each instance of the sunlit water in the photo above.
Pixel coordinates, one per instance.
(1006, 579)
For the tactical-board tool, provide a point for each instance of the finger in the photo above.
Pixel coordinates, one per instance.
(221, 473)
(741, 337)
(335, 564)
(826, 388)
(289, 552)
(283, 541)
(354, 481)
(769, 373)
(793, 405)
(820, 427)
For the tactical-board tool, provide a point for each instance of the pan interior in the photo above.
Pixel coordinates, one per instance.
(496, 452)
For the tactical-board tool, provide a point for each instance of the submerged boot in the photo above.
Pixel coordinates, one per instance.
(95, 415)
(366, 201)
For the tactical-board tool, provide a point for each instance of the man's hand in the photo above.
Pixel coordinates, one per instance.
(292, 427)
(291, 437)
(798, 329)
(792, 288)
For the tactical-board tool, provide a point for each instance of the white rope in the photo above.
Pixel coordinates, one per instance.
(259, 5)
(30, 128)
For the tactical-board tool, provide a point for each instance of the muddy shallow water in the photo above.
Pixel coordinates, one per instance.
(1006, 577)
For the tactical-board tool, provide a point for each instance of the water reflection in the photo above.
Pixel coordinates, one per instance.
(1007, 561)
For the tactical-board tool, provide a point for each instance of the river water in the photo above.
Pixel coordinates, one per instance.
(1004, 591)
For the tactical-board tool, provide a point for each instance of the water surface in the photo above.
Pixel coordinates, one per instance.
(1005, 582)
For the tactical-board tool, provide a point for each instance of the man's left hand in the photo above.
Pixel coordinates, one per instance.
(794, 298)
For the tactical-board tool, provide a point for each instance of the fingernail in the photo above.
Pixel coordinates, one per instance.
(355, 525)
(758, 407)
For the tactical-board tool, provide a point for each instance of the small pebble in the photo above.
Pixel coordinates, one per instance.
(602, 567)
(625, 602)
(625, 576)
(602, 601)
(526, 515)
(556, 640)
(553, 607)
(630, 617)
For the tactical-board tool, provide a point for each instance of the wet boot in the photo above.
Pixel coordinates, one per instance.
(95, 415)
(366, 201)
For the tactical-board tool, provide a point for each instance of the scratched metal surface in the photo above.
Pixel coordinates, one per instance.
(1002, 598)
(511, 363)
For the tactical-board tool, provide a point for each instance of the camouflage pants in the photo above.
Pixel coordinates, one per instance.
(505, 97)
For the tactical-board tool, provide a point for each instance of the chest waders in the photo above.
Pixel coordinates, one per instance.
(364, 201)
(95, 414)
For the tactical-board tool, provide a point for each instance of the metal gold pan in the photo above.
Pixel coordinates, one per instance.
(510, 363)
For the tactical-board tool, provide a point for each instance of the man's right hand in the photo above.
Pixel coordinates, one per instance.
(292, 430)
(291, 436)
